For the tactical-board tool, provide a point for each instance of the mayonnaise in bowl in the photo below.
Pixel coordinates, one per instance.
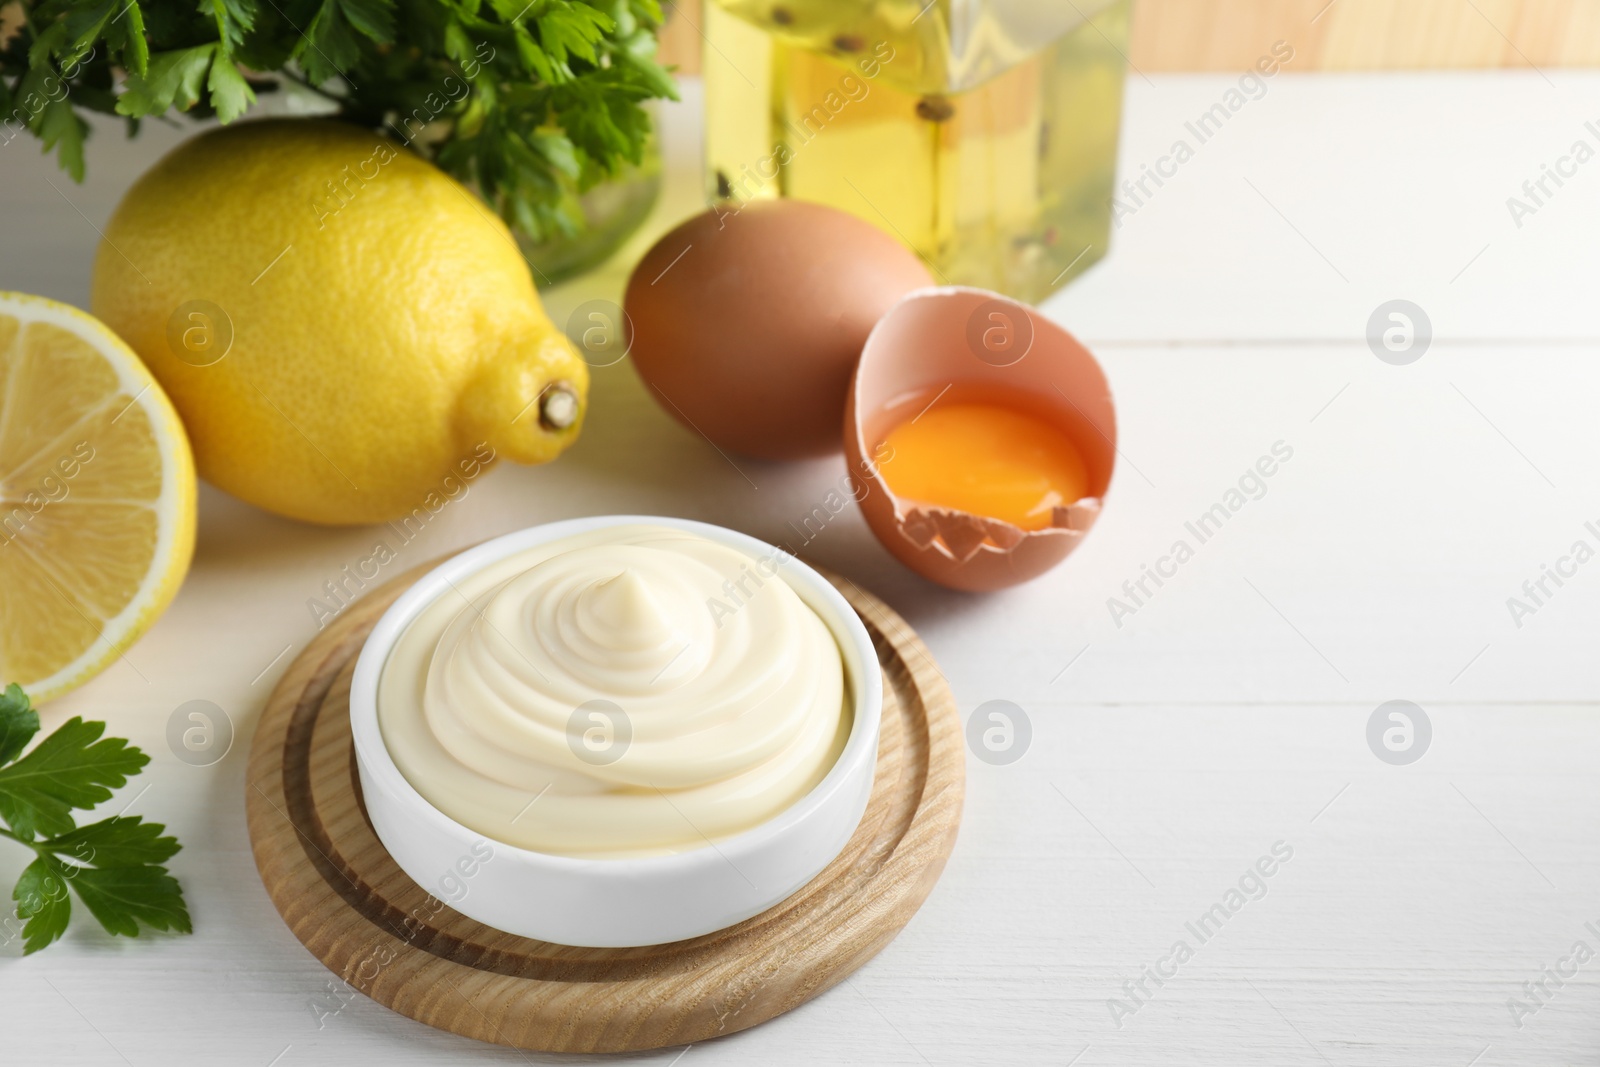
(624, 691)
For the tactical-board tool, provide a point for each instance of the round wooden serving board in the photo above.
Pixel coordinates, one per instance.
(347, 902)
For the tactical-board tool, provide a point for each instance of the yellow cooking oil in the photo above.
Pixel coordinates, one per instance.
(983, 133)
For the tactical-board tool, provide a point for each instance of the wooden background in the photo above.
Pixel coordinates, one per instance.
(1179, 35)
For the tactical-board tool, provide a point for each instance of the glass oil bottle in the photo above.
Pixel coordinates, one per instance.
(982, 132)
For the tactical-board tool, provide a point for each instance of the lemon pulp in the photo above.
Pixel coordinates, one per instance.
(96, 496)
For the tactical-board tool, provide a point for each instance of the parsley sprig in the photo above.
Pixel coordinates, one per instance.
(531, 101)
(114, 866)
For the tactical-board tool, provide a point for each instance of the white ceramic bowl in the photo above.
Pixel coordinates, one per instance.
(614, 903)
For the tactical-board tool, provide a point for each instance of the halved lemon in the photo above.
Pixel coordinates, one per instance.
(97, 496)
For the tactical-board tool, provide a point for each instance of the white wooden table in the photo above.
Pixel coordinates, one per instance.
(1228, 713)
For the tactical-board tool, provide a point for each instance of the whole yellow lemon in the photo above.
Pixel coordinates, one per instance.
(345, 330)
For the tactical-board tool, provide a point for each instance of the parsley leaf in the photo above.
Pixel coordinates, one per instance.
(234, 19)
(72, 768)
(171, 80)
(120, 841)
(530, 102)
(124, 898)
(18, 722)
(41, 896)
(126, 34)
(64, 131)
(332, 43)
(114, 865)
(230, 93)
(374, 19)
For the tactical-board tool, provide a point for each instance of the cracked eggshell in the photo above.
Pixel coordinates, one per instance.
(984, 344)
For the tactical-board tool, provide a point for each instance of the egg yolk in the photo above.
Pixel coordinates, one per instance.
(985, 459)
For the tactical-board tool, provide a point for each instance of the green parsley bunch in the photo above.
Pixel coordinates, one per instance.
(530, 101)
(114, 866)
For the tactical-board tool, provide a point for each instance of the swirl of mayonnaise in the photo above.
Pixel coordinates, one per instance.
(632, 690)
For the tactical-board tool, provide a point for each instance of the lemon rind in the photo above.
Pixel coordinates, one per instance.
(174, 507)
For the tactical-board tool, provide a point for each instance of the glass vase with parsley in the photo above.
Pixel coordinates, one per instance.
(532, 102)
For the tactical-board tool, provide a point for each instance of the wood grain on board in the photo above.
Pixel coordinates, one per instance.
(346, 900)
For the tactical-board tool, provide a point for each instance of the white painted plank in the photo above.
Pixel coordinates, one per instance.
(1180, 746)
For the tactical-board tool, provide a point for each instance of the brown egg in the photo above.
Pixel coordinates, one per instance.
(968, 341)
(747, 324)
